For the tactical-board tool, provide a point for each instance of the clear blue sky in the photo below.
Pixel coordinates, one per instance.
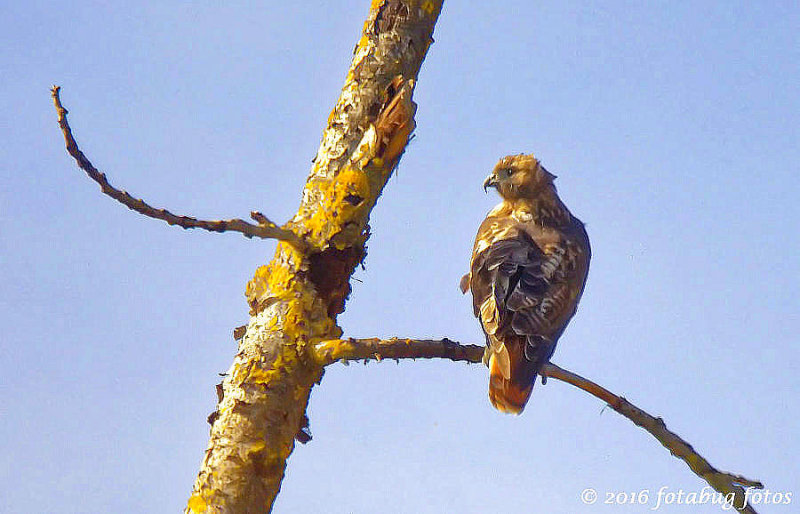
(673, 128)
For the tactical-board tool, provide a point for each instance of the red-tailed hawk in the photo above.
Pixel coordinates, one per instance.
(527, 273)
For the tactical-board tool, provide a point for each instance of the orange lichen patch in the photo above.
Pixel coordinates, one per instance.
(353, 181)
(331, 350)
(306, 316)
(197, 503)
(257, 287)
(344, 199)
(264, 282)
(275, 280)
(257, 374)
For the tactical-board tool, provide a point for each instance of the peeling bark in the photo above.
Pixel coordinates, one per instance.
(294, 299)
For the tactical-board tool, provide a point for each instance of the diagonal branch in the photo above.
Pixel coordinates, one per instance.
(296, 298)
(730, 485)
(265, 228)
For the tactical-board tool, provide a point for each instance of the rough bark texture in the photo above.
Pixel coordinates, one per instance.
(295, 299)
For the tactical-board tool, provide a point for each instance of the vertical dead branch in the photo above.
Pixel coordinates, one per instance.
(295, 299)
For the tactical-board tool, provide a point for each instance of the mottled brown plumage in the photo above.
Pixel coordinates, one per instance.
(527, 273)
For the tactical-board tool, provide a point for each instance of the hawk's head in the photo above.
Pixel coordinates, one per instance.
(519, 176)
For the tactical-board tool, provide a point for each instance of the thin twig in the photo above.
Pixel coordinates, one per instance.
(731, 486)
(265, 228)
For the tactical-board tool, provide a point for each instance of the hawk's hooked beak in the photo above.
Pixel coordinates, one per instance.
(491, 181)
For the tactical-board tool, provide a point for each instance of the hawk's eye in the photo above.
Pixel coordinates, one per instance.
(507, 172)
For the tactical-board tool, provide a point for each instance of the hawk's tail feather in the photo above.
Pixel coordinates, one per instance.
(507, 396)
(510, 386)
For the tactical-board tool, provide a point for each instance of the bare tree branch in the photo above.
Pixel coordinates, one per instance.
(265, 228)
(328, 352)
(730, 485)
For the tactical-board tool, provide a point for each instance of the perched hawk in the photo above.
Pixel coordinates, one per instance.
(527, 273)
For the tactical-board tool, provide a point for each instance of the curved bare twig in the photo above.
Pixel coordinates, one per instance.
(731, 486)
(265, 228)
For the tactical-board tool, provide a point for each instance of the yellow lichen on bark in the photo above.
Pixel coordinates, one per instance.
(294, 300)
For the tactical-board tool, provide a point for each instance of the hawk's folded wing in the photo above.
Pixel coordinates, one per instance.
(522, 290)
